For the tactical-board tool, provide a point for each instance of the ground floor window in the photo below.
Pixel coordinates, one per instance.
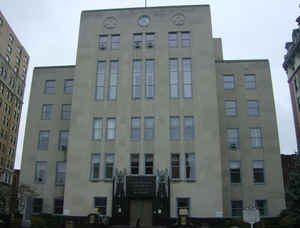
(261, 205)
(37, 205)
(236, 208)
(58, 206)
(100, 204)
(183, 204)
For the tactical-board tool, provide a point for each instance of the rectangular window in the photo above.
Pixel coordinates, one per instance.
(46, 112)
(37, 205)
(175, 166)
(43, 140)
(183, 204)
(262, 206)
(258, 172)
(115, 42)
(296, 84)
(137, 79)
(250, 81)
(149, 164)
(237, 208)
(60, 172)
(187, 78)
(40, 172)
(185, 39)
(113, 79)
(109, 166)
(103, 42)
(97, 128)
(137, 40)
(134, 164)
(111, 128)
(298, 102)
(256, 138)
(68, 86)
(50, 86)
(95, 167)
(190, 169)
(228, 81)
(100, 204)
(63, 140)
(173, 78)
(149, 78)
(253, 108)
(172, 39)
(100, 80)
(230, 108)
(233, 141)
(135, 132)
(175, 128)
(150, 40)
(66, 111)
(235, 171)
(189, 128)
(58, 206)
(149, 126)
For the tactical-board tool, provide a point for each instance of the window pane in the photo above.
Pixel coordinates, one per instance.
(40, 171)
(50, 87)
(109, 165)
(43, 140)
(137, 79)
(173, 77)
(113, 80)
(60, 172)
(256, 137)
(149, 78)
(172, 39)
(190, 170)
(100, 80)
(149, 128)
(187, 77)
(63, 140)
(230, 108)
(237, 208)
(183, 203)
(174, 128)
(100, 204)
(189, 128)
(228, 81)
(185, 39)
(253, 108)
(111, 128)
(148, 164)
(134, 163)
(250, 81)
(135, 133)
(68, 86)
(115, 42)
(261, 205)
(233, 138)
(175, 166)
(258, 171)
(235, 171)
(46, 112)
(66, 112)
(95, 166)
(97, 128)
(103, 41)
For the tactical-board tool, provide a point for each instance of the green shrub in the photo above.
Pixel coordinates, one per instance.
(38, 222)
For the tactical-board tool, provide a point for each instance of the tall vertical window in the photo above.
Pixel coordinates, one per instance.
(175, 166)
(50, 86)
(256, 138)
(37, 205)
(68, 86)
(113, 79)
(100, 80)
(97, 128)
(137, 79)
(173, 78)
(95, 167)
(258, 172)
(233, 141)
(149, 128)
(100, 204)
(189, 128)
(134, 164)
(172, 39)
(230, 108)
(250, 81)
(135, 132)
(262, 206)
(43, 140)
(115, 42)
(187, 77)
(228, 81)
(111, 128)
(149, 78)
(46, 112)
(58, 206)
(175, 128)
(235, 171)
(296, 84)
(253, 108)
(137, 40)
(60, 172)
(183, 203)
(40, 172)
(63, 140)
(66, 111)
(109, 166)
(185, 39)
(190, 169)
(103, 42)
(150, 40)
(149, 164)
(236, 208)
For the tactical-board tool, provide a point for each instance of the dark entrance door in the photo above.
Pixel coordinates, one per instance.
(140, 209)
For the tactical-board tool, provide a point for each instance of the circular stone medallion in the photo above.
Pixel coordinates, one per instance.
(110, 22)
(178, 19)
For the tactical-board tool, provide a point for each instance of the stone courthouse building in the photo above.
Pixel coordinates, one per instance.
(151, 120)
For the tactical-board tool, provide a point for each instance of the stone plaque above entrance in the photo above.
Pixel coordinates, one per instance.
(140, 186)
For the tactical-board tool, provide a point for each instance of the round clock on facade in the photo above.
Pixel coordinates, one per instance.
(144, 20)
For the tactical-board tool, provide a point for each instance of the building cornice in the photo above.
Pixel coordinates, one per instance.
(293, 48)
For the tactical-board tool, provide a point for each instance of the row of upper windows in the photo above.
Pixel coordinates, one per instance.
(4, 135)
(46, 113)
(249, 81)
(50, 86)
(237, 207)
(148, 39)
(10, 151)
(230, 108)
(37, 205)
(11, 81)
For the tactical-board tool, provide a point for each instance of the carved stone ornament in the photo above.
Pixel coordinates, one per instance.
(178, 19)
(110, 22)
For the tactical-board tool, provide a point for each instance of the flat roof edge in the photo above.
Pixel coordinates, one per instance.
(145, 8)
(241, 60)
(63, 66)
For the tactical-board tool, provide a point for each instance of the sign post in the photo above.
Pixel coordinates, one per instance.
(251, 215)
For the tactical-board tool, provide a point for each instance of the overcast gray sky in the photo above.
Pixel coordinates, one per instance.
(250, 29)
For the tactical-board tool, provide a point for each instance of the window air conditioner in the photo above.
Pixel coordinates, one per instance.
(137, 44)
(150, 45)
(233, 146)
(102, 47)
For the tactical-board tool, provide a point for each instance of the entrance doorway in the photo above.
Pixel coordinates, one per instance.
(140, 209)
